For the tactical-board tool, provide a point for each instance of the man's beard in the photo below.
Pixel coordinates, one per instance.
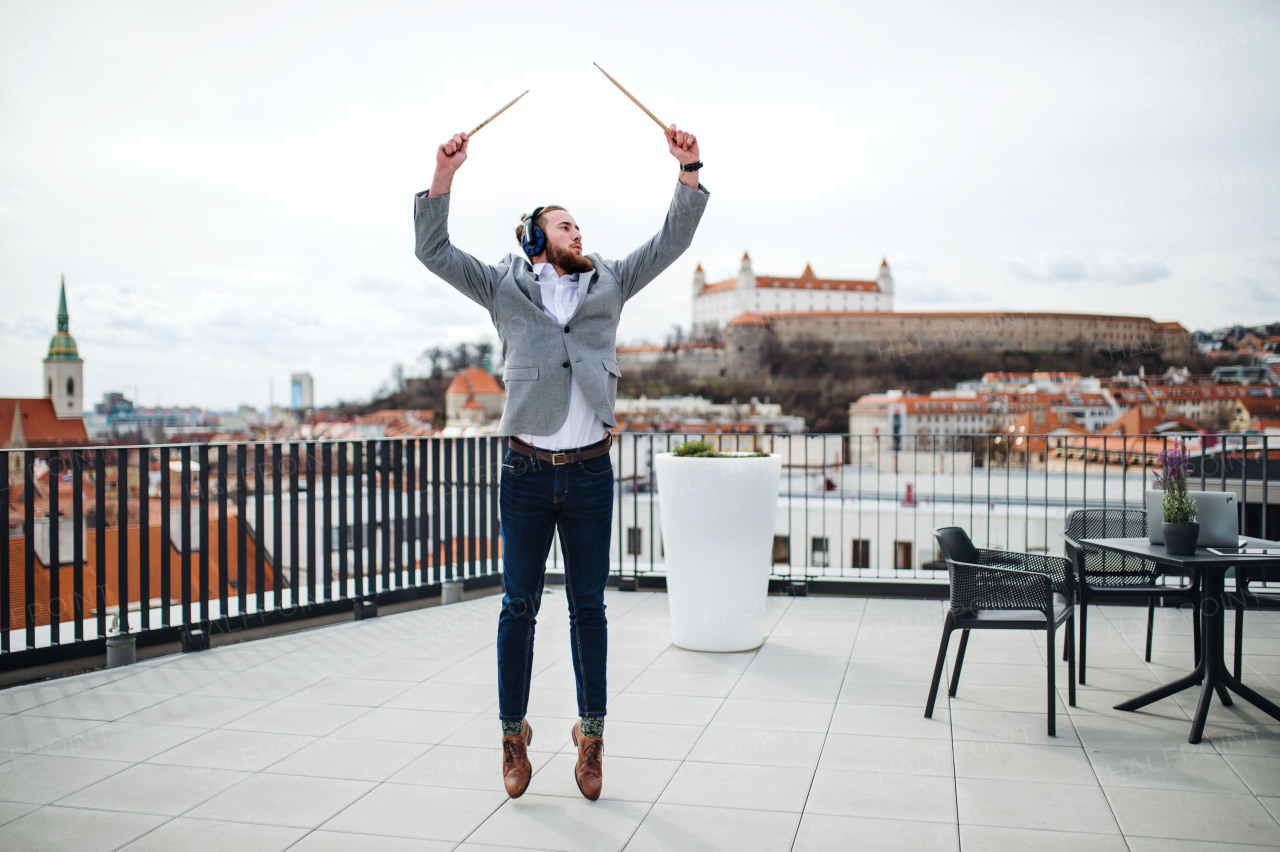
(570, 261)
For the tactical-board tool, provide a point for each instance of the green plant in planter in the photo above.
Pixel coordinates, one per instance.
(696, 450)
(1178, 505)
(704, 450)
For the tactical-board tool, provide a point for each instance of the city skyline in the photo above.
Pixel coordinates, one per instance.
(227, 188)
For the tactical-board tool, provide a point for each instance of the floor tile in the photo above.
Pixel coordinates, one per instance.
(186, 833)
(777, 747)
(793, 715)
(630, 779)
(387, 724)
(122, 741)
(665, 709)
(727, 785)
(197, 711)
(772, 686)
(437, 695)
(996, 839)
(335, 841)
(16, 699)
(897, 755)
(883, 795)
(152, 789)
(1193, 816)
(359, 692)
(679, 660)
(1262, 774)
(298, 718)
(710, 684)
(289, 800)
(1006, 727)
(669, 827)
(103, 704)
(241, 751)
(884, 721)
(1165, 844)
(1034, 804)
(260, 685)
(9, 811)
(1022, 762)
(462, 767)
(356, 760)
(824, 832)
(24, 733)
(1173, 768)
(58, 829)
(563, 823)
(43, 779)
(409, 810)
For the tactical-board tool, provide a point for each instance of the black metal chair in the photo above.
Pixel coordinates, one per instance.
(1115, 575)
(1005, 591)
(1248, 595)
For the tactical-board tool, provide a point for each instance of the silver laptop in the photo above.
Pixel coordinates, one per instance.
(1216, 513)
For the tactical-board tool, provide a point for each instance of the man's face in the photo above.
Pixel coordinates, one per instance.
(564, 243)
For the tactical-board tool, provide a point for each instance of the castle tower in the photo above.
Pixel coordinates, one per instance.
(746, 277)
(885, 278)
(699, 280)
(63, 367)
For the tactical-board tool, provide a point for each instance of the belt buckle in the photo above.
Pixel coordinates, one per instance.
(561, 458)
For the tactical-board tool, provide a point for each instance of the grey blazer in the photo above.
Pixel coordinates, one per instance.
(540, 355)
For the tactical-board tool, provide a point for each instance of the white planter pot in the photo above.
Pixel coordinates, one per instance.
(717, 530)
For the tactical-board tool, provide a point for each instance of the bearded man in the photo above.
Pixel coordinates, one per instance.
(556, 311)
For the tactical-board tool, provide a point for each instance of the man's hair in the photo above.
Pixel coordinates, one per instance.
(540, 221)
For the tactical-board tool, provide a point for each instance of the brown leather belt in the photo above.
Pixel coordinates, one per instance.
(559, 457)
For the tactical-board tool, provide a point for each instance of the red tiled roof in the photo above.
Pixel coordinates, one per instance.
(40, 423)
(806, 281)
(748, 319)
(473, 380)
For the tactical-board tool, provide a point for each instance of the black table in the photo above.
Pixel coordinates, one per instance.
(1211, 670)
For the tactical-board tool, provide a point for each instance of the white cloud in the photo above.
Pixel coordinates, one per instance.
(1061, 265)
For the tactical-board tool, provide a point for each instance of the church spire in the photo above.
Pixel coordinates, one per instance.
(64, 319)
(63, 346)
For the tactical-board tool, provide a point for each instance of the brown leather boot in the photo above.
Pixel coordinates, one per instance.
(590, 769)
(516, 770)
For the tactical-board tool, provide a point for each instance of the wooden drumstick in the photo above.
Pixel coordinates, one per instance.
(633, 97)
(498, 113)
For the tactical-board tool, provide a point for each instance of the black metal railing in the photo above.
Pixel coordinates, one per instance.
(159, 541)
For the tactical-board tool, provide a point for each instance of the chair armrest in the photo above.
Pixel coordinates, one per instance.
(1057, 569)
(1075, 554)
(980, 586)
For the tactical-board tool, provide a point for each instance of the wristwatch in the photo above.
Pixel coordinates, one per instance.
(690, 167)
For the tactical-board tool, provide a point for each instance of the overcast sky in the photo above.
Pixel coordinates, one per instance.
(228, 186)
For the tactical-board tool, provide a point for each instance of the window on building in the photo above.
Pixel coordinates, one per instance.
(71, 386)
(635, 541)
(902, 556)
(861, 553)
(781, 550)
(819, 552)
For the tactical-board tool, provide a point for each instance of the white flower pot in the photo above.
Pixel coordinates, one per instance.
(717, 529)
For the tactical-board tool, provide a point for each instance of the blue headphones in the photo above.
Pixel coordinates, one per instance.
(534, 241)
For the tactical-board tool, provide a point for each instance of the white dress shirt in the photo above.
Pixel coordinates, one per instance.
(581, 426)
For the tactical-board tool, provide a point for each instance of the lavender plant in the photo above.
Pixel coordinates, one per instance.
(1178, 505)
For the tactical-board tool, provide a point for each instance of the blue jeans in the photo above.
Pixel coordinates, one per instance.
(538, 498)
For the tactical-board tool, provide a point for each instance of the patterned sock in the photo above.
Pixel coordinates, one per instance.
(593, 726)
(511, 729)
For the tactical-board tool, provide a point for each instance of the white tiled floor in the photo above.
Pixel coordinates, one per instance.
(382, 735)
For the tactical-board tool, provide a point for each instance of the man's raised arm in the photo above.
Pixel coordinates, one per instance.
(473, 279)
(647, 262)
